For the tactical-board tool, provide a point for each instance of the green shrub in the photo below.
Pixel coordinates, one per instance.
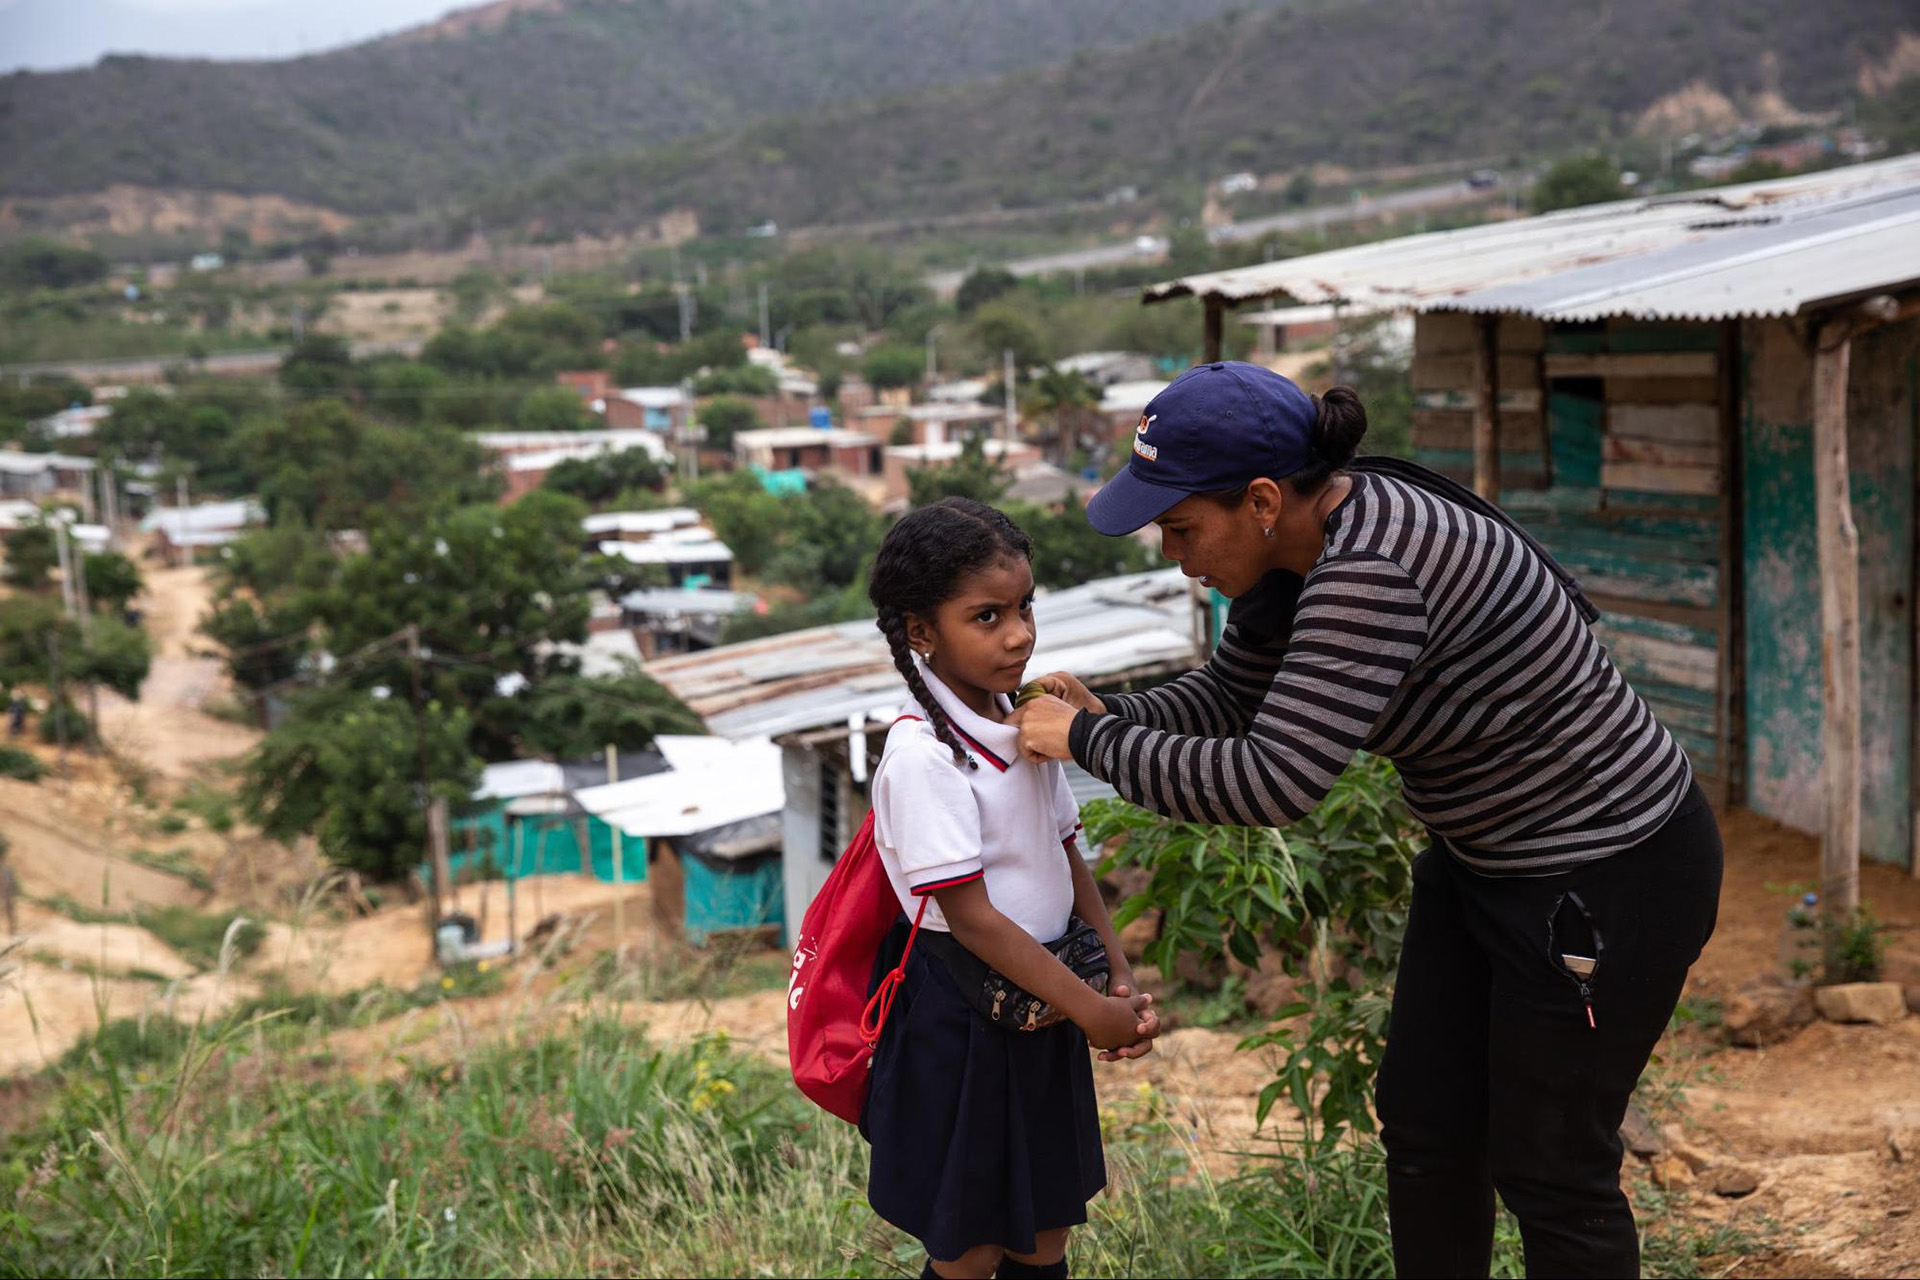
(1328, 894)
(198, 935)
(24, 765)
(1856, 949)
(64, 717)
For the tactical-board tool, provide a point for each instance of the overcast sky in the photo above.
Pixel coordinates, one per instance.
(51, 34)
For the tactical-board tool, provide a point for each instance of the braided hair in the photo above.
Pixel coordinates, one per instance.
(921, 563)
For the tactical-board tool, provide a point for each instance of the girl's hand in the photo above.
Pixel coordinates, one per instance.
(1148, 1026)
(1121, 1021)
(1067, 687)
(1043, 725)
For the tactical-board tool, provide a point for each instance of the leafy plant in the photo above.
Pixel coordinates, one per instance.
(24, 765)
(1856, 948)
(1328, 894)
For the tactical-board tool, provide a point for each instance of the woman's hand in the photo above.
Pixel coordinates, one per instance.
(1043, 725)
(1067, 687)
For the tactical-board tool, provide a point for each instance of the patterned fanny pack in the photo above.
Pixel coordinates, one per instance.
(1004, 1002)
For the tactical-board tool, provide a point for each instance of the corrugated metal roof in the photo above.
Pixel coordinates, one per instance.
(1140, 624)
(1759, 249)
(712, 784)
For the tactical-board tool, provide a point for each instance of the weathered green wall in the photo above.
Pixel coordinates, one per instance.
(1783, 684)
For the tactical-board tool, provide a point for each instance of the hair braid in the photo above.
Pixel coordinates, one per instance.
(893, 625)
(921, 564)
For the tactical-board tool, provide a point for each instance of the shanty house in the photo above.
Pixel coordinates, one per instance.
(1705, 405)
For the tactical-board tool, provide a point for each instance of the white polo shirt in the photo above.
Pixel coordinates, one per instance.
(938, 823)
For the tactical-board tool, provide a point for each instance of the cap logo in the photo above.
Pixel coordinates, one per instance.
(1149, 452)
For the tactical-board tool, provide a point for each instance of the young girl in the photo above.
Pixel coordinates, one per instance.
(986, 1139)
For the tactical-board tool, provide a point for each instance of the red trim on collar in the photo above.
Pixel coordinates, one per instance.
(968, 738)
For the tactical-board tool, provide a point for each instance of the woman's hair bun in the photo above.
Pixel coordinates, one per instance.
(1340, 426)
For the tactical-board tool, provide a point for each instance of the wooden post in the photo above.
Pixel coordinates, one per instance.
(1486, 409)
(1839, 548)
(513, 885)
(1216, 320)
(1730, 706)
(437, 834)
(619, 880)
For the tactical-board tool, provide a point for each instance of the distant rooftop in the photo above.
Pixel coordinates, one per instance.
(796, 437)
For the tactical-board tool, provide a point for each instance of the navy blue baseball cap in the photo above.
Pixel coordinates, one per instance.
(1213, 429)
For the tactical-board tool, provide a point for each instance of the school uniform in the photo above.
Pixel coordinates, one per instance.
(980, 1135)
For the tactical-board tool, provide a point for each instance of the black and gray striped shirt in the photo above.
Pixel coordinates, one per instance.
(1433, 636)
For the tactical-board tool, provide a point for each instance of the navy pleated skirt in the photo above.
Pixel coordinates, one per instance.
(979, 1135)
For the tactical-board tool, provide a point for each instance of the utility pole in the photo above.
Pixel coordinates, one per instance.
(619, 872)
(932, 364)
(436, 847)
(766, 332)
(63, 557)
(1006, 380)
(59, 708)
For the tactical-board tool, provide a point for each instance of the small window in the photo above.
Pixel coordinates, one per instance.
(831, 841)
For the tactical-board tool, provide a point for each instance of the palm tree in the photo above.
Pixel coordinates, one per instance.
(1068, 407)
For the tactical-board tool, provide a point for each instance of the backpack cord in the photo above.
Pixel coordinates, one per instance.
(874, 1016)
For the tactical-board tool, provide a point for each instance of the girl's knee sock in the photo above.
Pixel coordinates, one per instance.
(1013, 1269)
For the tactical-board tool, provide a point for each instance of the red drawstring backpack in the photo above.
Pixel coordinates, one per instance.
(832, 1026)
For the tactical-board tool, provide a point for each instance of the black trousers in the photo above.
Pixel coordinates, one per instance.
(1504, 1071)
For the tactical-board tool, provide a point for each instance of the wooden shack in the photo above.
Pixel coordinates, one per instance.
(1706, 406)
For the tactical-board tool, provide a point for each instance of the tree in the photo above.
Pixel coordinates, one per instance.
(492, 589)
(870, 281)
(894, 365)
(569, 717)
(743, 514)
(404, 390)
(345, 768)
(471, 291)
(725, 417)
(320, 364)
(739, 380)
(828, 536)
(597, 481)
(112, 579)
(327, 466)
(39, 262)
(34, 628)
(264, 602)
(1576, 180)
(116, 655)
(972, 475)
(1170, 330)
(1380, 371)
(1067, 551)
(31, 556)
(1000, 326)
(1070, 406)
(982, 286)
(552, 409)
(41, 397)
